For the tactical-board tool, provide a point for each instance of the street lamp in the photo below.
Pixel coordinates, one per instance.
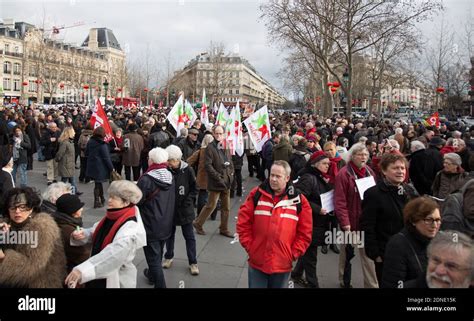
(345, 79)
(106, 86)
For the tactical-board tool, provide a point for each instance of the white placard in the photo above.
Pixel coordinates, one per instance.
(327, 201)
(364, 184)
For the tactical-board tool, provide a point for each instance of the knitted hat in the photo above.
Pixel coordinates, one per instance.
(317, 156)
(69, 204)
(453, 158)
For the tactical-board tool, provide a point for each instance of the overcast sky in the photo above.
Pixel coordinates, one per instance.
(182, 28)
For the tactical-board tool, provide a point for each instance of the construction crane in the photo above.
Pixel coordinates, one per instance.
(56, 29)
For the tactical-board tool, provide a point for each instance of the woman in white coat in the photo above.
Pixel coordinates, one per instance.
(115, 240)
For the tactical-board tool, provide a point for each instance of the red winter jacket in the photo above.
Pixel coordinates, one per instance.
(272, 233)
(347, 202)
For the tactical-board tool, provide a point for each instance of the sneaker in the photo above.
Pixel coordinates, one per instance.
(167, 263)
(299, 280)
(194, 269)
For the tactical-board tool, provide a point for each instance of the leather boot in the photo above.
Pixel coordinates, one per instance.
(97, 202)
(101, 194)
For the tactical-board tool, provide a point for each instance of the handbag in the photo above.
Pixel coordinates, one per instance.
(114, 176)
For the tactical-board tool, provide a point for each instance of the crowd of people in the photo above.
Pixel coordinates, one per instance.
(419, 195)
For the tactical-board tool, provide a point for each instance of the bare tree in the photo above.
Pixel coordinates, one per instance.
(336, 30)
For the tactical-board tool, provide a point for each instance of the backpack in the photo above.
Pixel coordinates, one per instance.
(257, 195)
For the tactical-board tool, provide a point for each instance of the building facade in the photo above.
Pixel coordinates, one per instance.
(225, 78)
(38, 68)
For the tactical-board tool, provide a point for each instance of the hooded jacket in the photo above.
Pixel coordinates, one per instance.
(186, 192)
(157, 204)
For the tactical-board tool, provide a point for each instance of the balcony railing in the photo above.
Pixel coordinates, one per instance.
(8, 71)
(14, 54)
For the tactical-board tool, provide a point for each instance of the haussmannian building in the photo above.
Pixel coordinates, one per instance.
(226, 78)
(38, 68)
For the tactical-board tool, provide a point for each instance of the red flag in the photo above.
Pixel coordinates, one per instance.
(434, 120)
(99, 118)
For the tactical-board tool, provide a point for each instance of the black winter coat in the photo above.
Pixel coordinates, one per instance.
(186, 192)
(50, 148)
(25, 146)
(188, 147)
(421, 171)
(382, 215)
(405, 257)
(99, 164)
(157, 211)
(312, 184)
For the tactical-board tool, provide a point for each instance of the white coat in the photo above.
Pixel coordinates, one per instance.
(115, 262)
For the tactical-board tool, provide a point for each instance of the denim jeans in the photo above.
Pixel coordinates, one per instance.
(154, 254)
(22, 169)
(258, 279)
(188, 233)
(71, 180)
(40, 154)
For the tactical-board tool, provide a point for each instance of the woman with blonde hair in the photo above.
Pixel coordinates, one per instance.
(66, 159)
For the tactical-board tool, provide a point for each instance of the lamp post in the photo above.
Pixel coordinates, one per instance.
(106, 86)
(345, 79)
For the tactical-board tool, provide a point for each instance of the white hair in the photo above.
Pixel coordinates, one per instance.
(416, 145)
(457, 134)
(183, 132)
(158, 155)
(356, 148)
(394, 144)
(125, 190)
(399, 130)
(174, 152)
(55, 190)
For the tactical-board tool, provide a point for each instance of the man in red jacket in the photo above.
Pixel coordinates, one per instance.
(275, 228)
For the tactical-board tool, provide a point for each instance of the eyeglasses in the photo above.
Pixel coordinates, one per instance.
(447, 163)
(450, 266)
(430, 221)
(22, 208)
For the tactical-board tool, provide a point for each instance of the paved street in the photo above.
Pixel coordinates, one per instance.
(221, 264)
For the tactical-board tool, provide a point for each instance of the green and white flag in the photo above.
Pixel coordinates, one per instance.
(258, 126)
(182, 115)
(222, 116)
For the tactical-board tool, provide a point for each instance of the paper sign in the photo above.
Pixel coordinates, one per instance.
(327, 201)
(364, 184)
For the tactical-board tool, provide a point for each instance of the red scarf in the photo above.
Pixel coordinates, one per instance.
(360, 173)
(120, 217)
(156, 166)
(118, 141)
(333, 169)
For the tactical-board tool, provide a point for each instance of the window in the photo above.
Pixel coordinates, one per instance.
(237, 92)
(6, 84)
(16, 85)
(31, 86)
(17, 49)
(32, 72)
(7, 67)
(230, 91)
(16, 68)
(7, 47)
